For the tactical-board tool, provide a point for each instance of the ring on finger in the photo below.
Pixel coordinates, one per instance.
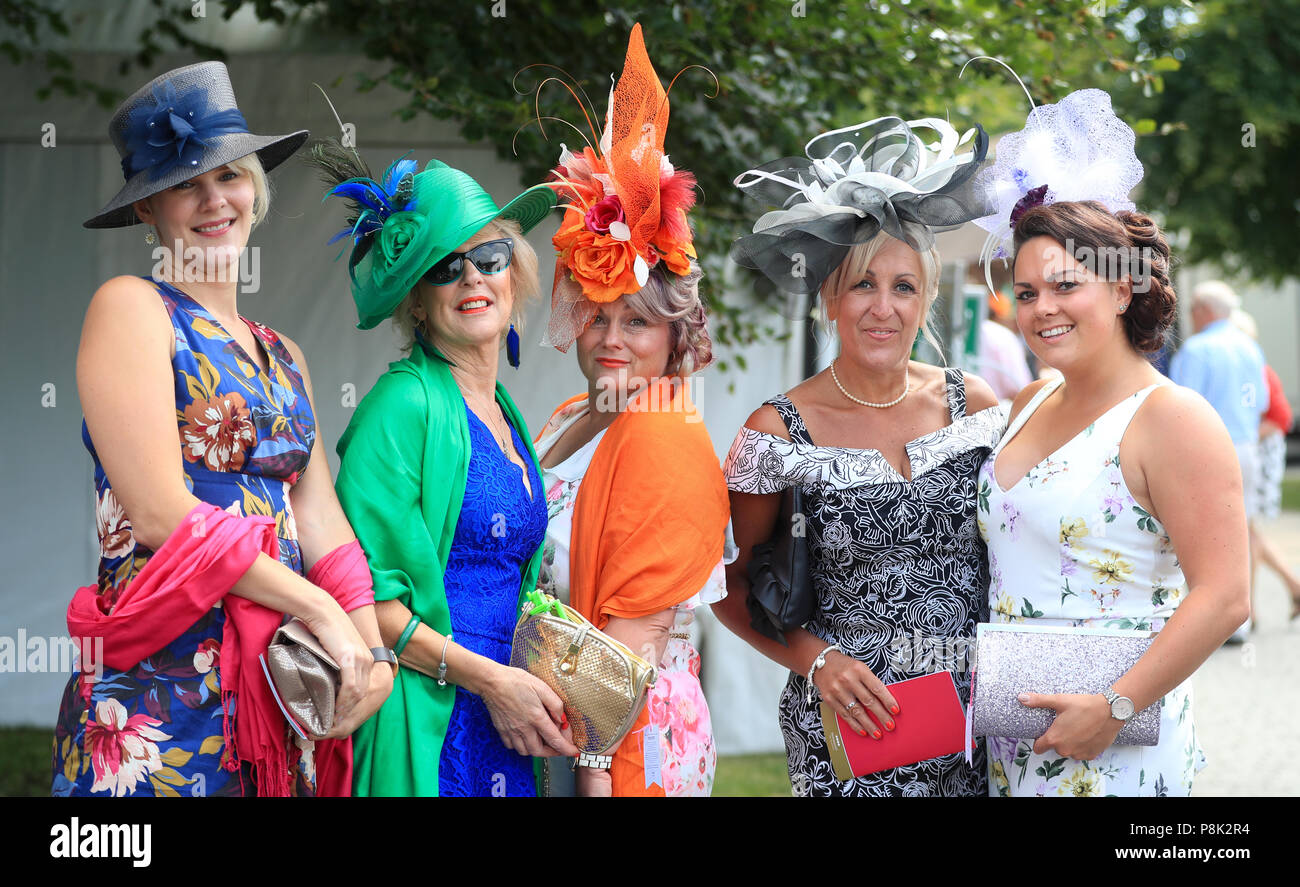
(852, 705)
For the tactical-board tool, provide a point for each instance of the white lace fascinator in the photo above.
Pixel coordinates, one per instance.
(1076, 149)
(854, 183)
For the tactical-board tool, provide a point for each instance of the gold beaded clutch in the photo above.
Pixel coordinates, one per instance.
(602, 683)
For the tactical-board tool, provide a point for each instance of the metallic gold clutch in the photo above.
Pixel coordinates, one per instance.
(602, 683)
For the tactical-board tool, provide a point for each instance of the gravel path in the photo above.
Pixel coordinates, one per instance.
(1248, 696)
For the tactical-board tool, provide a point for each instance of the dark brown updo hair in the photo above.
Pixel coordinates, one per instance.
(1113, 246)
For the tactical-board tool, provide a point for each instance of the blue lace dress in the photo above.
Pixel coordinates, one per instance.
(500, 527)
(245, 435)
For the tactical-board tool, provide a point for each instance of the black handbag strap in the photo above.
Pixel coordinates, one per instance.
(793, 421)
(956, 392)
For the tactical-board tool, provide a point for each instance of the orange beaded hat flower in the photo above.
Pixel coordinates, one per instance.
(624, 204)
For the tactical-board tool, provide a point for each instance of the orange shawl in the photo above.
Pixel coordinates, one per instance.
(648, 528)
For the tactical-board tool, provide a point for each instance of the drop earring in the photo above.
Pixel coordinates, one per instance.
(512, 347)
(151, 238)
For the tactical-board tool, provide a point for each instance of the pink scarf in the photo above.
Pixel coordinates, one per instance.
(346, 576)
(196, 567)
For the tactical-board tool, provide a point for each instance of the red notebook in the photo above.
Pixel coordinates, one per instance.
(930, 723)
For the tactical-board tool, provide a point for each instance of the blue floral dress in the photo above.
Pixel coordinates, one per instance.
(500, 527)
(245, 436)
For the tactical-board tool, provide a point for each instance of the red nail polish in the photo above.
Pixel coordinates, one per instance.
(875, 734)
(893, 709)
(889, 725)
(861, 732)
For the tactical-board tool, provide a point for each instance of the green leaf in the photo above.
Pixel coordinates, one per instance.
(1145, 126)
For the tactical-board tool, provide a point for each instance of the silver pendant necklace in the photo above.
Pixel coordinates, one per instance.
(867, 403)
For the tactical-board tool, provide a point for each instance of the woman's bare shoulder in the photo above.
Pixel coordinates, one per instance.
(1025, 396)
(127, 310)
(767, 420)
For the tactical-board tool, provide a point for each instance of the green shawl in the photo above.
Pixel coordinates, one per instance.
(404, 463)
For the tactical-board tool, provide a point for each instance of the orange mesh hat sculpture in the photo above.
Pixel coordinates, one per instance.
(624, 204)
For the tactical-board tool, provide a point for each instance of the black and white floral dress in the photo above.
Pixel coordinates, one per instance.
(899, 569)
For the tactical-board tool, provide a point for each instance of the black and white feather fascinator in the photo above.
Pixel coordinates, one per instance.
(855, 182)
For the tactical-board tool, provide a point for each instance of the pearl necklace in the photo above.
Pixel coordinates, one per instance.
(867, 403)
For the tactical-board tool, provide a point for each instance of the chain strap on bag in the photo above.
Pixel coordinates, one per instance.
(602, 683)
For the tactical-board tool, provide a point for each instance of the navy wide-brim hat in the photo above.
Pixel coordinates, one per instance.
(178, 126)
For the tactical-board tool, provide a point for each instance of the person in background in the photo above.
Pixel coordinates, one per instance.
(1226, 367)
(1001, 360)
(1273, 428)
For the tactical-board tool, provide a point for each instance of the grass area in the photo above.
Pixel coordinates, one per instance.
(1291, 492)
(25, 752)
(749, 776)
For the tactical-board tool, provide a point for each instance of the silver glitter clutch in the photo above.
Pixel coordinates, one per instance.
(1012, 659)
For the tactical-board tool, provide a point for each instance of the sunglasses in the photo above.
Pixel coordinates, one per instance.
(492, 257)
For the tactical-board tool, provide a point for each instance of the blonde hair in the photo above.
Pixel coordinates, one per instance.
(524, 285)
(251, 166)
(859, 259)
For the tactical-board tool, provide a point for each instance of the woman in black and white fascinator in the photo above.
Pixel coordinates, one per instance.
(882, 448)
(1113, 500)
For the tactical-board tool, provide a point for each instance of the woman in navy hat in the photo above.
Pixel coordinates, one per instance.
(205, 546)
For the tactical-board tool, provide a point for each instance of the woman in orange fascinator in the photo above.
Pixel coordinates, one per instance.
(638, 507)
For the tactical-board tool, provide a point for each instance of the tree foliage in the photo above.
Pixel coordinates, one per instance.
(785, 69)
(1223, 163)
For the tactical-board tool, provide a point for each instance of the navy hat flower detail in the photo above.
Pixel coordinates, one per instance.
(178, 126)
(174, 131)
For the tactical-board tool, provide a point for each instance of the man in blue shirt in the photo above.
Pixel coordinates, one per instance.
(1226, 367)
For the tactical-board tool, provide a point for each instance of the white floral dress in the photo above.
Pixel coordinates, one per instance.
(1069, 545)
(677, 707)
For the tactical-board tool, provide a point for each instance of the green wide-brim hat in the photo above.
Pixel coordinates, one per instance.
(448, 208)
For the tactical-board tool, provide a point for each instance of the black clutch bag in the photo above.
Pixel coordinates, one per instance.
(781, 596)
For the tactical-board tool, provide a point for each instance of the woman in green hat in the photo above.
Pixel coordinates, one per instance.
(441, 483)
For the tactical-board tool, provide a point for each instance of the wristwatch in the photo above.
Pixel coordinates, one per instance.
(1121, 707)
(385, 654)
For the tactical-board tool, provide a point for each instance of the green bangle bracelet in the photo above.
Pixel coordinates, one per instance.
(406, 635)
